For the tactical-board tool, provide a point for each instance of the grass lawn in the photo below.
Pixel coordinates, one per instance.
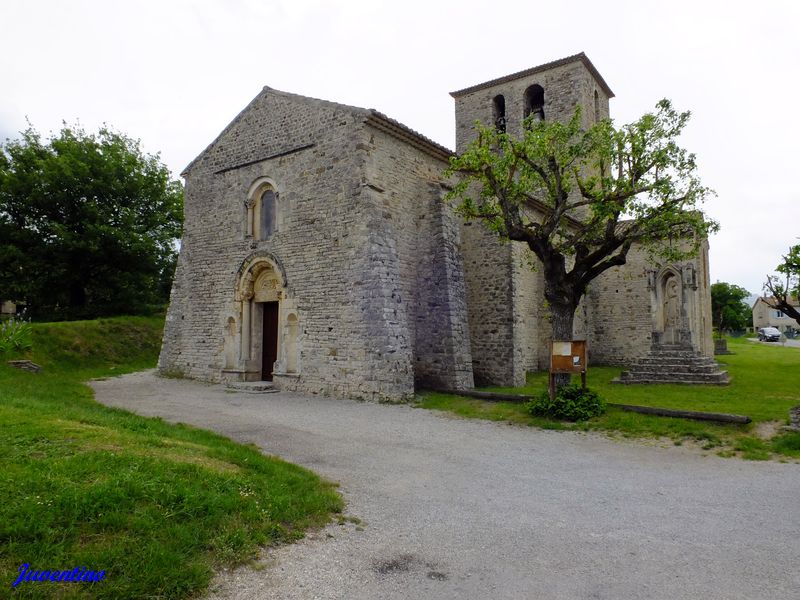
(157, 506)
(765, 385)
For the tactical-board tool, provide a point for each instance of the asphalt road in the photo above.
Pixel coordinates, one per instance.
(789, 343)
(477, 510)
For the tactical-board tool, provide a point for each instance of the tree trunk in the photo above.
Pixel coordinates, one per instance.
(562, 316)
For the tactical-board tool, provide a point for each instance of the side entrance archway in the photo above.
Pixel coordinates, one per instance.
(267, 342)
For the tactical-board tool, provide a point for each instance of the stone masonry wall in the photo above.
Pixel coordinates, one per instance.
(623, 311)
(621, 320)
(309, 149)
(417, 233)
(530, 324)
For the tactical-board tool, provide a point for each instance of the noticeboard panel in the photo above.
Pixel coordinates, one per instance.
(568, 356)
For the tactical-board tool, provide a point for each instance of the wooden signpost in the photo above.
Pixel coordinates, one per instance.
(567, 356)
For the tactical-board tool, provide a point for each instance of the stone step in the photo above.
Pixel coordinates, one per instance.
(677, 359)
(675, 363)
(678, 367)
(252, 387)
(674, 382)
(675, 354)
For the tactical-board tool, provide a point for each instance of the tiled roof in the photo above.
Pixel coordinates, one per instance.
(581, 57)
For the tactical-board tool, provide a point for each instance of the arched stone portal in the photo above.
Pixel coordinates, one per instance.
(268, 322)
(671, 289)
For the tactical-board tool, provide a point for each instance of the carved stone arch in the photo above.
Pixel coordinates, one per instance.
(254, 266)
(260, 185)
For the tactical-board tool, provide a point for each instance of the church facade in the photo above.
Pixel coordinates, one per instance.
(318, 253)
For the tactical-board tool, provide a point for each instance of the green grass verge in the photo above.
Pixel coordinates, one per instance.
(764, 387)
(157, 506)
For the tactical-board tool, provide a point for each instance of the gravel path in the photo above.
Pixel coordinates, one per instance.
(477, 510)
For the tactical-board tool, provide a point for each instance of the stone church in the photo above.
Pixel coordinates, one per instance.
(318, 254)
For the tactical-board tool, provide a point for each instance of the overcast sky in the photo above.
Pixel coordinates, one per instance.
(174, 73)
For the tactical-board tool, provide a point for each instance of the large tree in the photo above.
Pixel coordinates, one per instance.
(88, 224)
(581, 197)
(784, 290)
(728, 308)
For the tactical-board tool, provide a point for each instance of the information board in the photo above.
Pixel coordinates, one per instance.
(568, 356)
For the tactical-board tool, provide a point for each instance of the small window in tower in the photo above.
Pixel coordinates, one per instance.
(596, 107)
(499, 113)
(534, 102)
(267, 214)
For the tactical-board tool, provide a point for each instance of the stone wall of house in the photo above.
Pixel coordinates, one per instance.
(324, 244)
(765, 315)
(415, 253)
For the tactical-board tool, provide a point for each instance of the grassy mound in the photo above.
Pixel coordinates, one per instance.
(157, 506)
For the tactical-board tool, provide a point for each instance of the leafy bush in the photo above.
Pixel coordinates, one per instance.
(15, 335)
(572, 403)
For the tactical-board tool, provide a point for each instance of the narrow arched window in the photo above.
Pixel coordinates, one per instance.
(265, 213)
(534, 102)
(499, 113)
(268, 210)
(596, 107)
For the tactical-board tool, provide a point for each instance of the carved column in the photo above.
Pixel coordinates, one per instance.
(247, 295)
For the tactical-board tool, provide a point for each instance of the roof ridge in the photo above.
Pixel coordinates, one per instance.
(331, 103)
(579, 57)
(269, 90)
(395, 127)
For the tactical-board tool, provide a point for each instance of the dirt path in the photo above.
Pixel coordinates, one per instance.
(473, 509)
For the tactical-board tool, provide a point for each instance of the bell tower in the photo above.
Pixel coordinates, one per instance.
(509, 330)
(549, 91)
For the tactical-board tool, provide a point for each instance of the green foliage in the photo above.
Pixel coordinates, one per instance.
(88, 224)
(158, 506)
(15, 335)
(110, 344)
(787, 444)
(728, 309)
(752, 448)
(571, 403)
(580, 195)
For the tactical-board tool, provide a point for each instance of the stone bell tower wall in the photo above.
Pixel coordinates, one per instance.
(507, 316)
